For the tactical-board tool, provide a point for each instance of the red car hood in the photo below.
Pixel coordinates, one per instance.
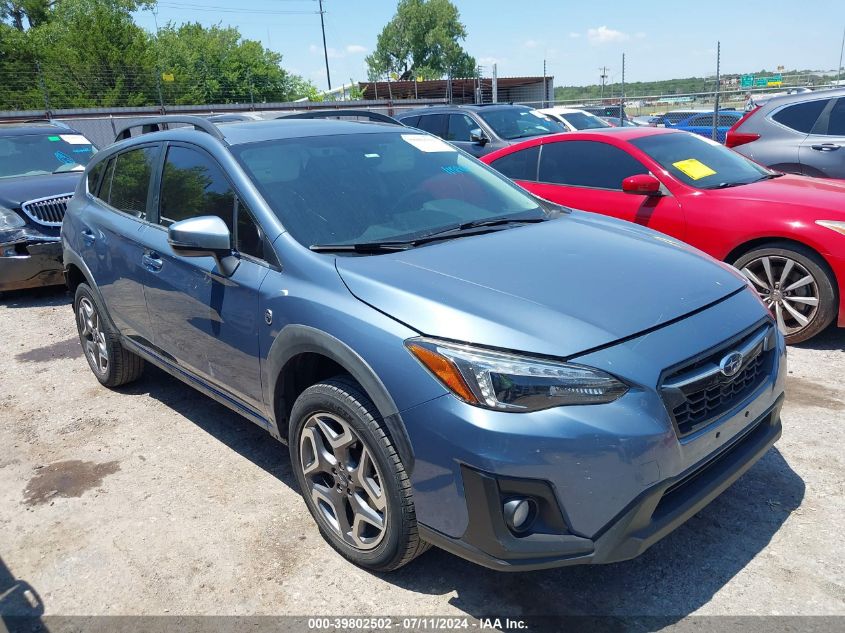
(826, 195)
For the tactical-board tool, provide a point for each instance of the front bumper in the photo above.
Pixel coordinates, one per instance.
(654, 514)
(31, 265)
(620, 475)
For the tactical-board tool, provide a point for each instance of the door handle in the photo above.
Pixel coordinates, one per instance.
(152, 261)
(88, 237)
(825, 147)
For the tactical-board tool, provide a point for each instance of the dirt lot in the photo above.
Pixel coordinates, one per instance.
(153, 499)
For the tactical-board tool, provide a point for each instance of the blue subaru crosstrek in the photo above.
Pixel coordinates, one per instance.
(450, 360)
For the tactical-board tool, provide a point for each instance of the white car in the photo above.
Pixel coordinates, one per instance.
(575, 119)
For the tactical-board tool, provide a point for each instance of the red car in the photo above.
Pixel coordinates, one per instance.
(786, 233)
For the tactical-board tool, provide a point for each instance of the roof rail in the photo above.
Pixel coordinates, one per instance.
(159, 123)
(328, 114)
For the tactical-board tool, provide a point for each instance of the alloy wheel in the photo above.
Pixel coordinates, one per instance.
(344, 481)
(787, 288)
(93, 338)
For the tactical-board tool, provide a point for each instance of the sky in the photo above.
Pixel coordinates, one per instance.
(575, 38)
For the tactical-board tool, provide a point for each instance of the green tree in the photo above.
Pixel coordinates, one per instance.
(92, 53)
(24, 14)
(215, 65)
(422, 40)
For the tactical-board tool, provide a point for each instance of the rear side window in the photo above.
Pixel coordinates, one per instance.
(801, 117)
(836, 124)
(130, 181)
(192, 185)
(521, 165)
(587, 164)
(411, 121)
(433, 123)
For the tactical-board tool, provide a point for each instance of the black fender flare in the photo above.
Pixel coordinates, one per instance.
(300, 339)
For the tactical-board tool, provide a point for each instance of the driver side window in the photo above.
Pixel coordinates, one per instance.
(460, 126)
(193, 185)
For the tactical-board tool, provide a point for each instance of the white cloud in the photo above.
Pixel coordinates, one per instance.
(531, 44)
(639, 35)
(488, 62)
(333, 53)
(356, 49)
(604, 35)
(574, 35)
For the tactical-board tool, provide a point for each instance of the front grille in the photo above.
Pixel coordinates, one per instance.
(47, 211)
(698, 392)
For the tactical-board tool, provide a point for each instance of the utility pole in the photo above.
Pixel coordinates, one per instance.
(622, 96)
(603, 76)
(545, 87)
(841, 48)
(714, 133)
(325, 50)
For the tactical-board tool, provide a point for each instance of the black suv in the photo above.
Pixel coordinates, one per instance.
(40, 166)
(481, 129)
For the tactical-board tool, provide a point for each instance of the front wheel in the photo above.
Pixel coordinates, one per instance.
(351, 477)
(794, 284)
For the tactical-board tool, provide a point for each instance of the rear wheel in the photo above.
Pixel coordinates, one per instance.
(351, 477)
(111, 363)
(795, 285)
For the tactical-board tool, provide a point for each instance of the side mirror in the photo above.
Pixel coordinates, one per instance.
(642, 185)
(477, 136)
(204, 236)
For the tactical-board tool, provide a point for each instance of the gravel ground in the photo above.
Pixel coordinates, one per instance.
(153, 499)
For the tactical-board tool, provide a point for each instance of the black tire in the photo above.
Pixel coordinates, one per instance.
(121, 366)
(343, 399)
(824, 286)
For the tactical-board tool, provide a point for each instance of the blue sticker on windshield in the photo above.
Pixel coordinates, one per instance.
(82, 150)
(454, 169)
(64, 158)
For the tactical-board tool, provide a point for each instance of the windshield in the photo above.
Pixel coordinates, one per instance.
(513, 123)
(38, 154)
(354, 188)
(583, 120)
(700, 162)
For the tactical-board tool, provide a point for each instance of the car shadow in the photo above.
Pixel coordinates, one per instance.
(44, 297)
(831, 338)
(674, 578)
(233, 430)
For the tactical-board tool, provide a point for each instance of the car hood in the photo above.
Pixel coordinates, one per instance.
(796, 191)
(558, 288)
(14, 191)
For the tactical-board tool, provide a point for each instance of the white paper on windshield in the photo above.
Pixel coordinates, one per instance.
(426, 143)
(74, 139)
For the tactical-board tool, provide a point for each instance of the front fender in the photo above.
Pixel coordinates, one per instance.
(299, 339)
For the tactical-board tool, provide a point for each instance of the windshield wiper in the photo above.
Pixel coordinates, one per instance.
(465, 229)
(362, 247)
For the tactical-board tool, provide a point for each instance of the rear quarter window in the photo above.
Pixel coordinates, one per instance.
(801, 117)
(521, 165)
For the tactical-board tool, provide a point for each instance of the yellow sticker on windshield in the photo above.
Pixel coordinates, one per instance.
(694, 168)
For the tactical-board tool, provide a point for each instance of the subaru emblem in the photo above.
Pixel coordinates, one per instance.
(731, 364)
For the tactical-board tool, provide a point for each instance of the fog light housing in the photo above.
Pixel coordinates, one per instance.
(519, 514)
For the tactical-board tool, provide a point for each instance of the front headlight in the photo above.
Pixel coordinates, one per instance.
(9, 219)
(511, 382)
(833, 225)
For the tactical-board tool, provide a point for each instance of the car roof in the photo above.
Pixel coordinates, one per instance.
(435, 109)
(804, 96)
(241, 132)
(33, 127)
(564, 110)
